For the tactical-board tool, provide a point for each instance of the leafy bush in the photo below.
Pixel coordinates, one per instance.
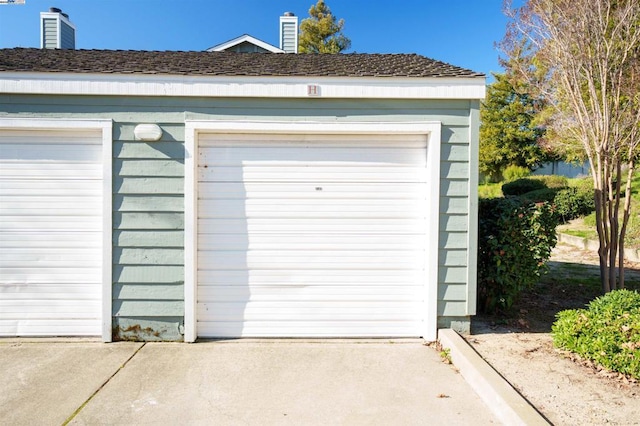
(489, 190)
(539, 195)
(522, 186)
(512, 173)
(607, 332)
(574, 202)
(552, 181)
(515, 239)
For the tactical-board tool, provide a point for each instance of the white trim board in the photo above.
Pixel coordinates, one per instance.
(105, 126)
(259, 87)
(194, 127)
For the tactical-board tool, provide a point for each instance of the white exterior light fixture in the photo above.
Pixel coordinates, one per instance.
(147, 132)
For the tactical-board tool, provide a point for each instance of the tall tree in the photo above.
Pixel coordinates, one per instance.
(583, 56)
(508, 134)
(321, 32)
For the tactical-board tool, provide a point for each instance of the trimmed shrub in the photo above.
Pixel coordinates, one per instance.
(515, 239)
(540, 195)
(606, 332)
(552, 181)
(522, 186)
(512, 173)
(574, 202)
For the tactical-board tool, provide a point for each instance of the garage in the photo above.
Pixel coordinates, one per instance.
(312, 235)
(51, 229)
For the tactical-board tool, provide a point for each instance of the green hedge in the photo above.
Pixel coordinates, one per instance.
(539, 195)
(515, 238)
(552, 181)
(606, 332)
(522, 186)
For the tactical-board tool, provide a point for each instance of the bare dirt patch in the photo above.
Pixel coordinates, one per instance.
(519, 346)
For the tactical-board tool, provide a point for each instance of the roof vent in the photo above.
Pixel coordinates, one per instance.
(56, 30)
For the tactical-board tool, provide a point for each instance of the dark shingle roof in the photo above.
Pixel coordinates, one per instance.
(226, 63)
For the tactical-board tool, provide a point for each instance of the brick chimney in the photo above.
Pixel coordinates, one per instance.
(289, 33)
(56, 30)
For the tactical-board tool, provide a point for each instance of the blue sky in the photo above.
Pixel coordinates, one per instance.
(461, 32)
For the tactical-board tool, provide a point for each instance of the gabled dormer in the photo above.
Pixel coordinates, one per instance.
(288, 33)
(245, 44)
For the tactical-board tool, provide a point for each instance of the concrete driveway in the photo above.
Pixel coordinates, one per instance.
(235, 382)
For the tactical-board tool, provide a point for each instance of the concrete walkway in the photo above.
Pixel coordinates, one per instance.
(241, 382)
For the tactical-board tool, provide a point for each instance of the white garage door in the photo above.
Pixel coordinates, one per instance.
(311, 236)
(50, 233)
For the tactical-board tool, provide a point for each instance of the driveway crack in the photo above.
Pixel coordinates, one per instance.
(75, 413)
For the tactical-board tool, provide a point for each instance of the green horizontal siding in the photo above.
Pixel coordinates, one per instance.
(148, 185)
(457, 170)
(454, 205)
(152, 308)
(148, 256)
(453, 257)
(453, 292)
(157, 274)
(155, 203)
(454, 223)
(155, 150)
(161, 168)
(126, 238)
(453, 240)
(454, 188)
(455, 152)
(132, 291)
(451, 308)
(453, 275)
(148, 220)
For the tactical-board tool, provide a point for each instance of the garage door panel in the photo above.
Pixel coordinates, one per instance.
(35, 208)
(311, 139)
(45, 327)
(40, 152)
(61, 240)
(328, 190)
(67, 170)
(45, 257)
(310, 277)
(330, 260)
(303, 292)
(311, 172)
(47, 309)
(51, 211)
(49, 291)
(307, 241)
(331, 310)
(300, 328)
(233, 156)
(292, 208)
(50, 187)
(312, 225)
(51, 223)
(311, 238)
(33, 205)
(36, 274)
